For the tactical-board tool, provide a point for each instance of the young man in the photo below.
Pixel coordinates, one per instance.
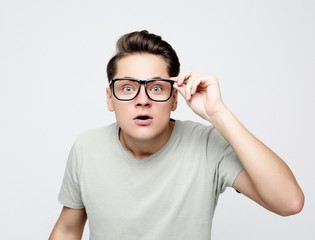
(151, 177)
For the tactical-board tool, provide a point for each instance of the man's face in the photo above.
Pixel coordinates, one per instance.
(142, 66)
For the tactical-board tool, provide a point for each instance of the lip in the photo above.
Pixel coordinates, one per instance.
(143, 122)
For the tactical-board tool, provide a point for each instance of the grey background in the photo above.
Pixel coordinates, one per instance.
(53, 56)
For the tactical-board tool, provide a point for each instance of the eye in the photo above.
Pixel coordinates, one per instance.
(127, 89)
(156, 89)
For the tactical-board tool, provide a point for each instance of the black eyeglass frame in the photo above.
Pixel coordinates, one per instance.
(112, 81)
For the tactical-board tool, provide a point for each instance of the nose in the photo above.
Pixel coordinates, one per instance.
(142, 99)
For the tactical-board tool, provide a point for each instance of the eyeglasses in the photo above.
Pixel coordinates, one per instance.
(127, 89)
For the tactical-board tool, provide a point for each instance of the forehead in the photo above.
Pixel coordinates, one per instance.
(142, 66)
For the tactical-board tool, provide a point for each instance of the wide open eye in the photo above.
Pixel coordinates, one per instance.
(127, 89)
(156, 89)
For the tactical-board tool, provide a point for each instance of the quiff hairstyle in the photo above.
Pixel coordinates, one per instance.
(143, 42)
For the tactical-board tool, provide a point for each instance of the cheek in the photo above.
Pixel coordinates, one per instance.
(121, 110)
(165, 110)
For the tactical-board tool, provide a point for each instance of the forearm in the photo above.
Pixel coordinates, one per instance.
(272, 179)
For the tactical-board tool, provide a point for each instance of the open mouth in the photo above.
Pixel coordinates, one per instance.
(143, 119)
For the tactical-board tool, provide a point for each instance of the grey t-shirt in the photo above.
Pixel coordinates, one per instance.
(170, 195)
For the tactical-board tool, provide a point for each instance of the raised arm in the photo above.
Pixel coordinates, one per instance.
(266, 178)
(70, 224)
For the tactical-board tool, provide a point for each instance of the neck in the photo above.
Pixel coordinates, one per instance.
(141, 149)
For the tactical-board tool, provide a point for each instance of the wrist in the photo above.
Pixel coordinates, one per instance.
(220, 117)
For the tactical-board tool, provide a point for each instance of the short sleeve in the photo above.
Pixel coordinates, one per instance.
(224, 160)
(70, 192)
(229, 166)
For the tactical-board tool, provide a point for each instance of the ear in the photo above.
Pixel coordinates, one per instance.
(174, 100)
(109, 100)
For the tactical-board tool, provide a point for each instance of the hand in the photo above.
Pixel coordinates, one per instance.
(201, 93)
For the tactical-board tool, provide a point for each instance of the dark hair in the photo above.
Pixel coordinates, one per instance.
(143, 41)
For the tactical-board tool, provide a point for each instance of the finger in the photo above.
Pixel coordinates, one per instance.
(180, 89)
(195, 85)
(200, 82)
(182, 79)
(189, 85)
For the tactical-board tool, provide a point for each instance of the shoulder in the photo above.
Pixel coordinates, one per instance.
(96, 135)
(191, 125)
(191, 128)
(195, 130)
